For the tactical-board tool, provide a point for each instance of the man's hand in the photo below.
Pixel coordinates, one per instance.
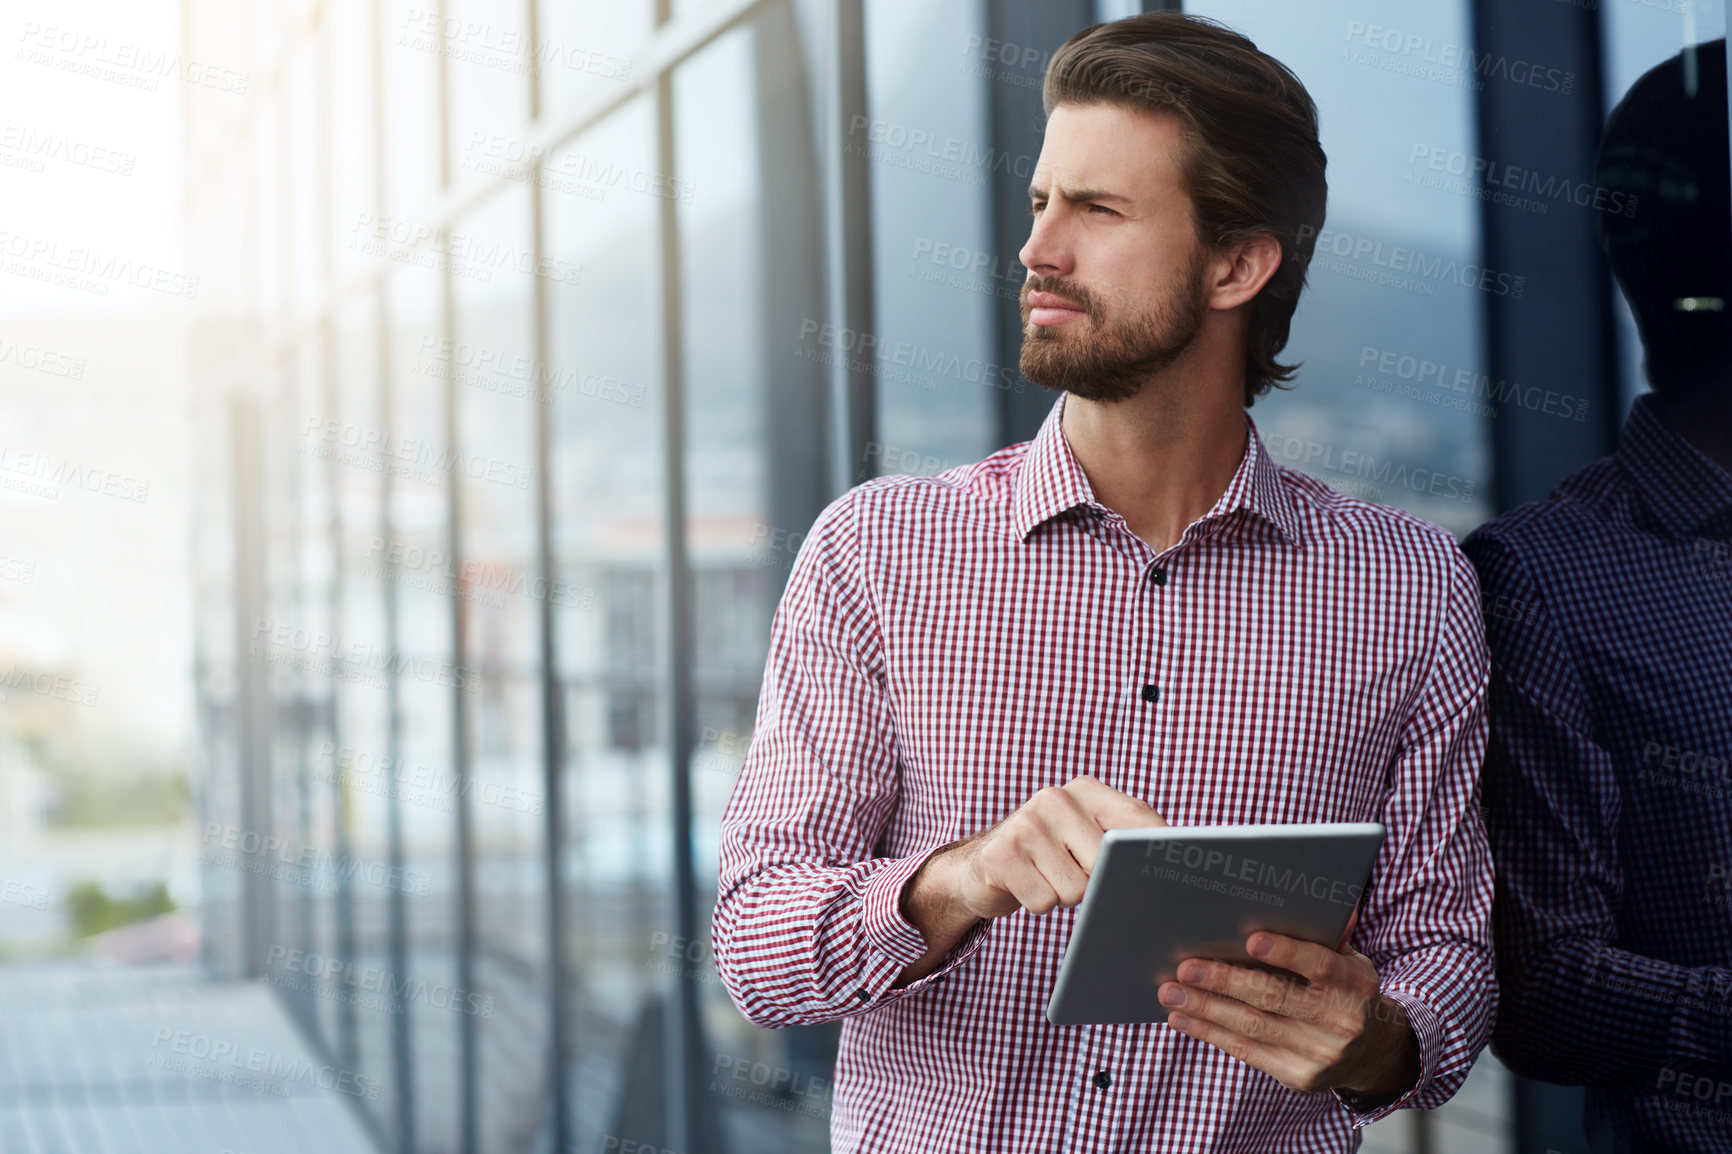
(1038, 859)
(1332, 1030)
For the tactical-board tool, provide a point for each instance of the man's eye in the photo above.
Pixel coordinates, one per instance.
(1035, 207)
(1102, 208)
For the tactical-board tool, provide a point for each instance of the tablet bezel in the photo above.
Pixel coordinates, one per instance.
(1099, 979)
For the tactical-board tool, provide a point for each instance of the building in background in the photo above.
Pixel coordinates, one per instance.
(534, 334)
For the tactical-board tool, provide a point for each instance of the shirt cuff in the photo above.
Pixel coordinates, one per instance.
(896, 939)
(1429, 1034)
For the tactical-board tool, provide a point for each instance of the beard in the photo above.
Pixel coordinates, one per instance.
(1112, 359)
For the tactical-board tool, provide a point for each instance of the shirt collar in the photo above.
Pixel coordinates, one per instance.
(1051, 482)
(1680, 484)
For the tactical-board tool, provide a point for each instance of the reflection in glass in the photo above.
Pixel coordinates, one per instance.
(499, 600)
(606, 528)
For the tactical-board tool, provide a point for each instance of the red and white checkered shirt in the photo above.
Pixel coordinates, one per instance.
(949, 645)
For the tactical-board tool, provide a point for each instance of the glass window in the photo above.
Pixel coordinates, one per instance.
(936, 276)
(359, 763)
(1638, 37)
(306, 158)
(602, 348)
(1391, 404)
(410, 58)
(488, 67)
(501, 595)
(587, 50)
(349, 47)
(420, 572)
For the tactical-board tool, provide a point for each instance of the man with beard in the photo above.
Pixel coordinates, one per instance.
(1135, 618)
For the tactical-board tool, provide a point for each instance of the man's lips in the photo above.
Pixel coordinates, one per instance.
(1051, 309)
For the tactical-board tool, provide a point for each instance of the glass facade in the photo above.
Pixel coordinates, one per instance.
(531, 349)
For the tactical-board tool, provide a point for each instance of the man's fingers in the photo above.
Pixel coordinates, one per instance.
(1029, 886)
(1063, 874)
(1053, 817)
(1276, 1063)
(1248, 1022)
(1317, 964)
(1109, 808)
(1041, 855)
(1270, 993)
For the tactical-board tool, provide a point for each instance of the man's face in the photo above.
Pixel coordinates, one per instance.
(1115, 291)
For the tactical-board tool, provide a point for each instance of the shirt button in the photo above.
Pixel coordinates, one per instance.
(1103, 1080)
(1151, 693)
(863, 995)
(1158, 575)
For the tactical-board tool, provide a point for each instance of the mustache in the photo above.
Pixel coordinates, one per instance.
(1073, 291)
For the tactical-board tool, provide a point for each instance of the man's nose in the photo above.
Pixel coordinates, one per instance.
(1045, 251)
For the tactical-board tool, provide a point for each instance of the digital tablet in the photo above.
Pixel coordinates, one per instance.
(1159, 896)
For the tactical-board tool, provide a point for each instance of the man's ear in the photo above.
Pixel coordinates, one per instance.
(1242, 269)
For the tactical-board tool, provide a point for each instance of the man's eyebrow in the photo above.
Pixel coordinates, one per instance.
(1035, 192)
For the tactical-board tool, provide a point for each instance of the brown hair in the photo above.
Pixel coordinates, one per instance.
(1252, 161)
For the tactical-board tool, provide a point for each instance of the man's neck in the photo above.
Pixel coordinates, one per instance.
(1161, 459)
